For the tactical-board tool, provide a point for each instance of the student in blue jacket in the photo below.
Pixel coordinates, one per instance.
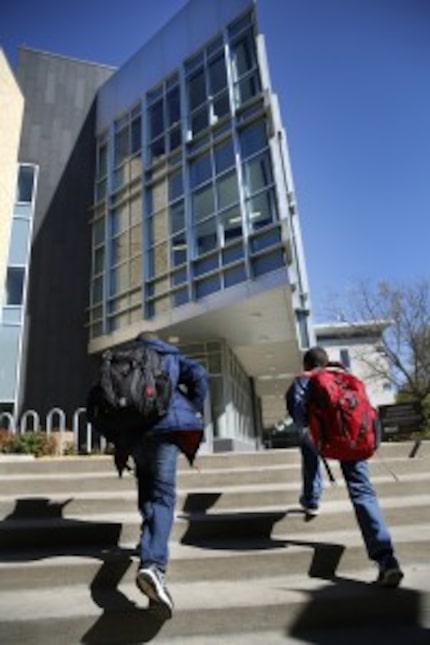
(155, 454)
(372, 525)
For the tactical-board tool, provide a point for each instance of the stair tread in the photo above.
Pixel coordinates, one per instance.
(280, 590)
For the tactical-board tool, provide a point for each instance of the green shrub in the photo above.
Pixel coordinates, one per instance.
(27, 443)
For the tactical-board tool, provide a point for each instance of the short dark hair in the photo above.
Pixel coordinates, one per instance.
(315, 357)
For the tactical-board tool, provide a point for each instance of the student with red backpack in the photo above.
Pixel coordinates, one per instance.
(331, 411)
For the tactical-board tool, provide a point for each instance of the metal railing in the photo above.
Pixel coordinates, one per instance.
(84, 438)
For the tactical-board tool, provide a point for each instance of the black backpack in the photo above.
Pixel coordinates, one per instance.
(132, 392)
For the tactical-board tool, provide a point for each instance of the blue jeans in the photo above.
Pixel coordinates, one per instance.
(372, 525)
(156, 462)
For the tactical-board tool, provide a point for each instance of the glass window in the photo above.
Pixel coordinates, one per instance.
(175, 138)
(119, 248)
(207, 286)
(200, 170)
(221, 105)
(203, 203)
(160, 286)
(261, 210)
(200, 120)
(12, 316)
(118, 279)
(173, 107)
(205, 265)
(99, 231)
(180, 297)
(18, 249)
(135, 165)
(159, 226)
(14, 285)
(253, 139)
(243, 56)
(97, 290)
(206, 236)
(156, 119)
(119, 220)
(265, 239)
(158, 196)
(136, 272)
(136, 210)
(102, 160)
(25, 184)
(224, 156)
(227, 190)
(258, 173)
(231, 221)
(196, 90)
(247, 88)
(135, 240)
(177, 217)
(122, 146)
(99, 259)
(234, 275)
(160, 259)
(176, 187)
(136, 135)
(267, 263)
(217, 75)
(179, 277)
(157, 148)
(179, 249)
(161, 305)
(121, 176)
(101, 190)
(23, 210)
(232, 253)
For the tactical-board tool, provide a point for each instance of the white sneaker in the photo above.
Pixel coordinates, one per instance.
(311, 510)
(150, 581)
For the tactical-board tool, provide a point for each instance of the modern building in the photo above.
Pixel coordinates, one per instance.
(165, 202)
(359, 347)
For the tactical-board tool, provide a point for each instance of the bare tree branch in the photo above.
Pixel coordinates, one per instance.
(405, 343)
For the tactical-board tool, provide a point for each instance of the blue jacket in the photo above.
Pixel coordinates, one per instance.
(189, 381)
(297, 401)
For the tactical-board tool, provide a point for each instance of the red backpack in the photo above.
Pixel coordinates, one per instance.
(342, 422)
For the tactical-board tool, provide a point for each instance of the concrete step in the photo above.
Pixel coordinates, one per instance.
(244, 562)
(227, 497)
(109, 529)
(300, 554)
(38, 483)
(14, 464)
(282, 604)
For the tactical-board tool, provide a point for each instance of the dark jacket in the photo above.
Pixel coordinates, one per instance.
(186, 409)
(183, 423)
(296, 400)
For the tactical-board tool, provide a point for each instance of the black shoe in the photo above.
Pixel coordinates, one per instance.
(390, 573)
(150, 581)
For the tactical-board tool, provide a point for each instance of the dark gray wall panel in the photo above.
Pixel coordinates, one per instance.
(58, 135)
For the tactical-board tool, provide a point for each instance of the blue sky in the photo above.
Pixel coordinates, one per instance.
(353, 81)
